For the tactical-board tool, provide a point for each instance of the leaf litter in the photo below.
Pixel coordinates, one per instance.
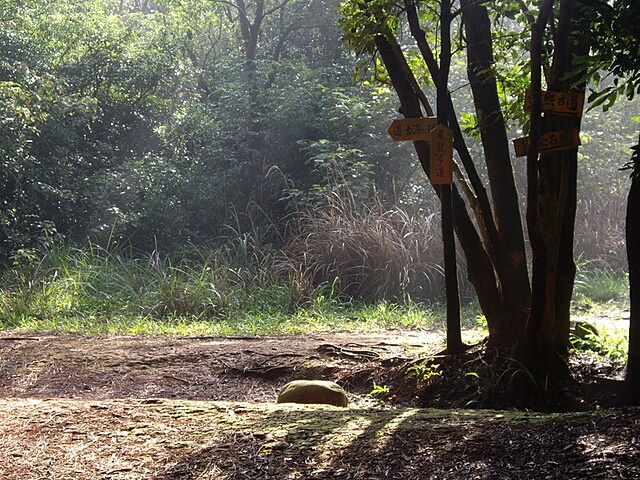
(168, 408)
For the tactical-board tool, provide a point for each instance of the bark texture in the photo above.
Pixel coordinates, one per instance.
(633, 255)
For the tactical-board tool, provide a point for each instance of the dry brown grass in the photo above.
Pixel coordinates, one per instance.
(600, 225)
(369, 252)
(373, 252)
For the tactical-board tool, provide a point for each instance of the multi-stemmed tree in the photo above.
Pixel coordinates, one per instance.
(523, 312)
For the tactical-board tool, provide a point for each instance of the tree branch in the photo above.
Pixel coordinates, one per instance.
(479, 200)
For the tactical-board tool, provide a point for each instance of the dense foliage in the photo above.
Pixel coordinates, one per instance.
(160, 124)
(151, 122)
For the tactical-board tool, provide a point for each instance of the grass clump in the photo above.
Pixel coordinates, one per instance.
(202, 291)
(375, 252)
(347, 268)
(97, 290)
(601, 285)
(108, 287)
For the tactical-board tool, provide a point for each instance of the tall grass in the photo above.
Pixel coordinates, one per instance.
(371, 252)
(206, 291)
(599, 230)
(94, 290)
(600, 286)
(108, 286)
(347, 265)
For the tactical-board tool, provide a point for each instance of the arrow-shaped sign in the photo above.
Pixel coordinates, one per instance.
(563, 103)
(407, 129)
(550, 141)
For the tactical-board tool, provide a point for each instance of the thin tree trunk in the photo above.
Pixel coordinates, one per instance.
(566, 264)
(540, 313)
(454, 335)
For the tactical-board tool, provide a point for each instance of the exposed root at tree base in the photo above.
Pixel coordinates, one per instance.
(476, 379)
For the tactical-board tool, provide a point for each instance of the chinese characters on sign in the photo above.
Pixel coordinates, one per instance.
(405, 129)
(441, 169)
(441, 142)
(560, 140)
(563, 103)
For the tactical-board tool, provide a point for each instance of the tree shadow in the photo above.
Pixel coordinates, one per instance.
(329, 443)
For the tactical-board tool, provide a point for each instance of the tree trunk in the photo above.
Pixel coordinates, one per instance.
(510, 259)
(501, 320)
(551, 213)
(544, 328)
(633, 255)
(454, 334)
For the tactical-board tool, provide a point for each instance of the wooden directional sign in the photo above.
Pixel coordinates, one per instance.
(406, 129)
(564, 103)
(560, 140)
(441, 169)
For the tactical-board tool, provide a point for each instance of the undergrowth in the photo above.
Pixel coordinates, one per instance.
(234, 289)
(97, 290)
(345, 266)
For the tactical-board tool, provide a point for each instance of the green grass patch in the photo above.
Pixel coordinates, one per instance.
(599, 286)
(99, 291)
(207, 292)
(302, 321)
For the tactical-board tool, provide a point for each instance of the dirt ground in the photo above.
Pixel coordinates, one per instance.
(74, 407)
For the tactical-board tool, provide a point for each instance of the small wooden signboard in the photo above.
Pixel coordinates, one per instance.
(560, 140)
(441, 170)
(563, 103)
(407, 129)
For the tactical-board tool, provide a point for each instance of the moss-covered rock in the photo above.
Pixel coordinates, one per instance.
(313, 391)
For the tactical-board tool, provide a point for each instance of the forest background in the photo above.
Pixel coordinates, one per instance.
(198, 159)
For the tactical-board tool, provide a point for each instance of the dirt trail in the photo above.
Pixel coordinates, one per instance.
(195, 368)
(167, 408)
